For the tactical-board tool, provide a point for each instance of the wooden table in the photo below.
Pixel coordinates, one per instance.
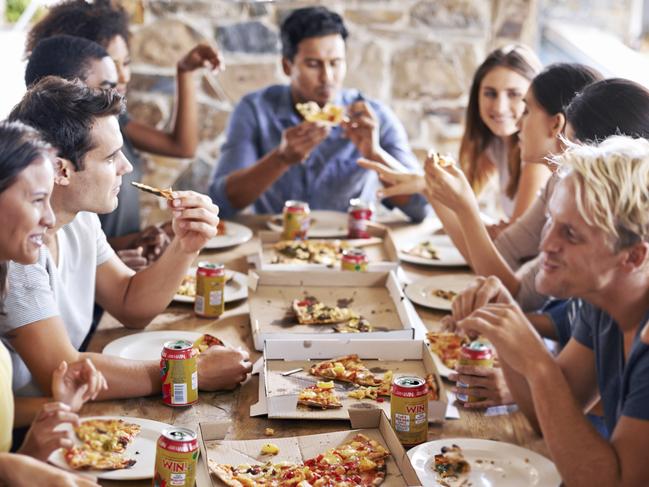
(234, 328)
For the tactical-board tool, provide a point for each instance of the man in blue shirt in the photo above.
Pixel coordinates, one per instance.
(595, 249)
(272, 155)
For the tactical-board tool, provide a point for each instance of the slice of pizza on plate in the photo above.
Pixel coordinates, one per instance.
(451, 467)
(446, 345)
(424, 249)
(112, 435)
(83, 457)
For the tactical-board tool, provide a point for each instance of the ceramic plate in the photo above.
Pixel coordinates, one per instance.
(492, 463)
(423, 291)
(142, 450)
(448, 255)
(146, 345)
(324, 224)
(235, 234)
(235, 289)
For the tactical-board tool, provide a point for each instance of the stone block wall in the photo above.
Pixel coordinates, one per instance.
(418, 56)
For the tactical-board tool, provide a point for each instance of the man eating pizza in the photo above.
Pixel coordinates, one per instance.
(273, 153)
(49, 304)
(596, 250)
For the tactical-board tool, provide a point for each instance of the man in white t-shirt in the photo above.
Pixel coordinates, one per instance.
(49, 304)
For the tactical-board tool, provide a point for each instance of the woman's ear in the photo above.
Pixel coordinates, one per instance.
(62, 169)
(558, 124)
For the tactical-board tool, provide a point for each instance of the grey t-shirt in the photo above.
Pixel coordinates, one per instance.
(125, 218)
(623, 384)
(45, 290)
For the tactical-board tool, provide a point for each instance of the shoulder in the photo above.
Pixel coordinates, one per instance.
(84, 222)
(270, 95)
(21, 275)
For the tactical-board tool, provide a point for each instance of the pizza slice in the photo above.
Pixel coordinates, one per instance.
(206, 341)
(320, 395)
(309, 251)
(450, 464)
(84, 457)
(310, 311)
(433, 388)
(329, 114)
(111, 435)
(163, 193)
(355, 325)
(374, 392)
(424, 249)
(245, 475)
(348, 368)
(446, 345)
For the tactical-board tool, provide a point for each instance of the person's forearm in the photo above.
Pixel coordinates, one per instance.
(483, 255)
(567, 431)
(543, 324)
(244, 186)
(521, 393)
(185, 128)
(451, 227)
(142, 300)
(126, 378)
(26, 408)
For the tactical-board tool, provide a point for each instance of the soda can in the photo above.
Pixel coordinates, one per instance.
(409, 410)
(479, 354)
(358, 216)
(354, 260)
(179, 372)
(296, 217)
(175, 458)
(210, 290)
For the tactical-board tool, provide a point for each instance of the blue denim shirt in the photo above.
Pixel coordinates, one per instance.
(328, 178)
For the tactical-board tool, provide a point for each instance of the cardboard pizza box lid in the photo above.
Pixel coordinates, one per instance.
(286, 365)
(380, 249)
(373, 424)
(377, 296)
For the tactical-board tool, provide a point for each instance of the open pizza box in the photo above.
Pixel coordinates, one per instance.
(373, 423)
(376, 296)
(280, 382)
(380, 249)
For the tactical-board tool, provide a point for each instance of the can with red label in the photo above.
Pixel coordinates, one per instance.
(409, 410)
(210, 290)
(354, 260)
(297, 218)
(358, 216)
(175, 458)
(476, 353)
(179, 372)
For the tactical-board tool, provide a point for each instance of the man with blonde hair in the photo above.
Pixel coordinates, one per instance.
(596, 249)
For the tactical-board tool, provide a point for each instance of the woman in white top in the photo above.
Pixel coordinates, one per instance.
(26, 179)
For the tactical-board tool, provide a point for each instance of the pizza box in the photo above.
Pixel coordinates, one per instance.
(376, 296)
(280, 380)
(380, 249)
(372, 423)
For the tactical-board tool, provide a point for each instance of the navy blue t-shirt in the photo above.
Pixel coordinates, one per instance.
(623, 385)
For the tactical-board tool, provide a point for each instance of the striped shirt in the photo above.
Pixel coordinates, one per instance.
(45, 290)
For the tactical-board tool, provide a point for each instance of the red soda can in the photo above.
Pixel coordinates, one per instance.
(179, 372)
(409, 410)
(359, 215)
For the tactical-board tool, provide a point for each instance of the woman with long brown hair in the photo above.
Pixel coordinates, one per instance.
(489, 146)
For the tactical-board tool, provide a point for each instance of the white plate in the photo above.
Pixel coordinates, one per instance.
(421, 291)
(144, 443)
(324, 224)
(448, 255)
(235, 289)
(502, 465)
(235, 234)
(146, 345)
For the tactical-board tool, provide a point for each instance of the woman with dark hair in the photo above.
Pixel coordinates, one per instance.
(106, 23)
(26, 179)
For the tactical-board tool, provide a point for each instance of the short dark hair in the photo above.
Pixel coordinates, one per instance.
(20, 146)
(613, 106)
(64, 111)
(556, 86)
(304, 23)
(99, 21)
(65, 56)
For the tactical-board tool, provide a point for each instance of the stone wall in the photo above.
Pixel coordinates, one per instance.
(418, 56)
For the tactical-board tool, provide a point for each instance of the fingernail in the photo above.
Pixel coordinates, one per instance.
(175, 203)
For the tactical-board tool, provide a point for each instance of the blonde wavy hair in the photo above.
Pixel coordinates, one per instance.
(612, 186)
